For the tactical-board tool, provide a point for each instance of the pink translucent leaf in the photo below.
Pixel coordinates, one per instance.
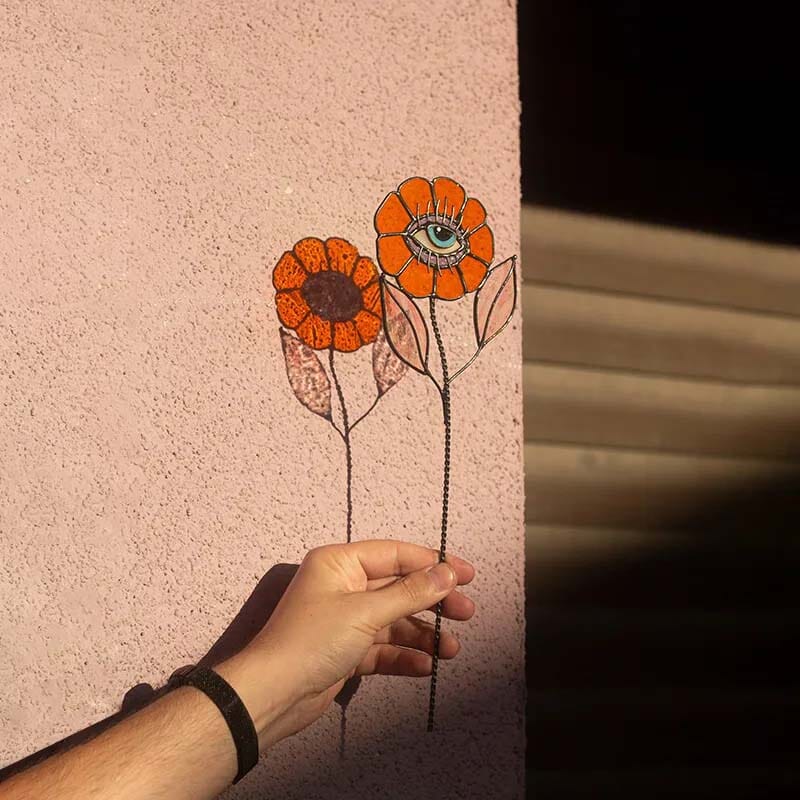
(307, 376)
(495, 301)
(387, 368)
(405, 327)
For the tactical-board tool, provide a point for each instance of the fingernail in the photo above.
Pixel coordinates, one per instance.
(463, 562)
(442, 576)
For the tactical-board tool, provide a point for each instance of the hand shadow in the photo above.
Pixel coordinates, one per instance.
(245, 625)
(251, 618)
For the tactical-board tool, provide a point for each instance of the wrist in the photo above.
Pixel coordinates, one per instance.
(263, 688)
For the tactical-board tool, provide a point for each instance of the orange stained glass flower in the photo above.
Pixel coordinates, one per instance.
(328, 294)
(434, 238)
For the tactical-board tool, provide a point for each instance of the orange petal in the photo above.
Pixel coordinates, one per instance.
(315, 332)
(417, 279)
(311, 252)
(474, 214)
(391, 216)
(473, 272)
(448, 196)
(368, 326)
(417, 195)
(365, 272)
(288, 273)
(393, 253)
(371, 298)
(292, 307)
(481, 244)
(342, 255)
(345, 337)
(448, 284)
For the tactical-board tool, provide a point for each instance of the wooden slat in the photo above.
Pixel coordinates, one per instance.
(662, 408)
(731, 781)
(591, 647)
(594, 407)
(573, 485)
(618, 332)
(568, 542)
(664, 703)
(660, 727)
(742, 561)
(595, 252)
(571, 544)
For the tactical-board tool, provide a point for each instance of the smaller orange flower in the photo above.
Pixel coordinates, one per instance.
(434, 238)
(328, 294)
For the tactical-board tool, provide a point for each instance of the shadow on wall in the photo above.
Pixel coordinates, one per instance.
(668, 673)
(247, 623)
(674, 671)
(401, 729)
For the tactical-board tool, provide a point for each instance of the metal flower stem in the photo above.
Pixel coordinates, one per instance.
(348, 453)
(444, 391)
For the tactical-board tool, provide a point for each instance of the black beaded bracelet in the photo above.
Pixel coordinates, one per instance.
(233, 711)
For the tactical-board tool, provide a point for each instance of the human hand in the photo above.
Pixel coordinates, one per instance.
(349, 610)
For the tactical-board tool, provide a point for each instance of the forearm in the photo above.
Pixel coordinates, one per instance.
(178, 747)
(348, 611)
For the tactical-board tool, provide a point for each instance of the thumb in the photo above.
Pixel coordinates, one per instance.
(412, 593)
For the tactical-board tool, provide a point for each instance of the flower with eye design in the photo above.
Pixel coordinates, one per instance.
(434, 238)
(328, 294)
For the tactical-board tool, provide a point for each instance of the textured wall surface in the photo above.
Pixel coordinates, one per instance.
(155, 160)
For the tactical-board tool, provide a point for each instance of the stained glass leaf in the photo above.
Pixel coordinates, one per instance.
(405, 327)
(387, 368)
(495, 301)
(307, 376)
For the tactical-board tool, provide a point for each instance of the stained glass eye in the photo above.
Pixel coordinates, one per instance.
(441, 236)
(438, 238)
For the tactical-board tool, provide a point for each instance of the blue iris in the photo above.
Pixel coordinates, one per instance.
(441, 236)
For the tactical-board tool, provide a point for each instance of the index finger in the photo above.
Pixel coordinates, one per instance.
(387, 558)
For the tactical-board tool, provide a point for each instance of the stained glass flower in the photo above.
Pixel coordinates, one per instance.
(433, 238)
(328, 294)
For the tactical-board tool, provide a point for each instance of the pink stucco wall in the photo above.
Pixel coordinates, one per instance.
(155, 160)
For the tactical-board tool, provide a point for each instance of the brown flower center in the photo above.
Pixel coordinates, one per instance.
(332, 295)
